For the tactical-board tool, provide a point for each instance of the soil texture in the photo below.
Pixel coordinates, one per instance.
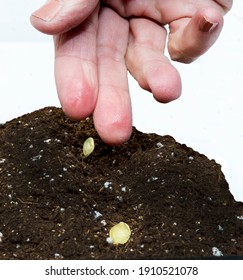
(57, 204)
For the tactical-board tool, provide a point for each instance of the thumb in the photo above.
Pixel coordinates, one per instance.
(58, 16)
(190, 38)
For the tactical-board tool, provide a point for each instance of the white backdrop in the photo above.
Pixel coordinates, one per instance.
(208, 116)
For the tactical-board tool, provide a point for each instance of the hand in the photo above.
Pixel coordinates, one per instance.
(94, 47)
(90, 70)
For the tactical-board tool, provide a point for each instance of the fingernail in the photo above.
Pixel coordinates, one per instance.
(48, 11)
(206, 25)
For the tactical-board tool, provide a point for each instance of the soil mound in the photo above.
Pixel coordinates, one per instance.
(57, 204)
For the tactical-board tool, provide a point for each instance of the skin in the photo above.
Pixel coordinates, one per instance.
(96, 42)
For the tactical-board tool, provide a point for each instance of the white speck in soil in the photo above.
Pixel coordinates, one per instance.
(36, 157)
(97, 214)
(58, 256)
(159, 145)
(240, 217)
(119, 172)
(217, 252)
(47, 141)
(220, 228)
(109, 240)
(64, 169)
(103, 222)
(152, 179)
(191, 158)
(123, 189)
(1, 236)
(2, 160)
(107, 185)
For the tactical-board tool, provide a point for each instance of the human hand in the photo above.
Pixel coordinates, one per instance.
(90, 70)
(94, 50)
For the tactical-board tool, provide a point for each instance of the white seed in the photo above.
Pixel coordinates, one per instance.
(88, 146)
(120, 233)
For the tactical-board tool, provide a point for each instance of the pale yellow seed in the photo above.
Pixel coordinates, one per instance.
(88, 146)
(120, 233)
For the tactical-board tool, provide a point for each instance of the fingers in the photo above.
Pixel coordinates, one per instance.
(190, 38)
(76, 68)
(147, 63)
(225, 4)
(58, 16)
(113, 113)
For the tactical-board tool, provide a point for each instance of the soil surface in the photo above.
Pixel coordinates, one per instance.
(56, 204)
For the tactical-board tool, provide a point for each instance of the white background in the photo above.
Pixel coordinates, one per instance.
(208, 117)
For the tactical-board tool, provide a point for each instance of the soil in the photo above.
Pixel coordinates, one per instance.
(57, 204)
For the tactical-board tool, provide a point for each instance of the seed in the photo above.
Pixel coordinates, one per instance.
(120, 233)
(88, 146)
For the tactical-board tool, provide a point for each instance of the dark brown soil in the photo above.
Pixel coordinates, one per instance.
(56, 204)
